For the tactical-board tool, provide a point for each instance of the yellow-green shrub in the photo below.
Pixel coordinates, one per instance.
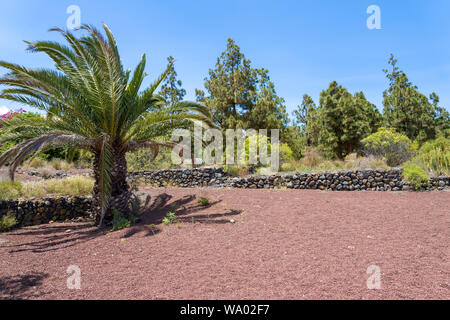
(10, 190)
(71, 186)
(435, 156)
(7, 222)
(386, 143)
(415, 175)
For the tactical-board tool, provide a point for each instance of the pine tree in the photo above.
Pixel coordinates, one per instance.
(410, 112)
(240, 96)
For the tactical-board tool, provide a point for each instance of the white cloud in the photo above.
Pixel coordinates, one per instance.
(3, 110)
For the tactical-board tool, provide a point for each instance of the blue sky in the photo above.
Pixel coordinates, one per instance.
(304, 44)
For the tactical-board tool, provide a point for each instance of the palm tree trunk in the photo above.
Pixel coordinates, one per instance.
(120, 190)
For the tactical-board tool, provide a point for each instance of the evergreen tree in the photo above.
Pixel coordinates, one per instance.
(410, 112)
(171, 88)
(306, 117)
(344, 120)
(240, 96)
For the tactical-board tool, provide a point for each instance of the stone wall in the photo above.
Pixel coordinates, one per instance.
(39, 211)
(375, 180)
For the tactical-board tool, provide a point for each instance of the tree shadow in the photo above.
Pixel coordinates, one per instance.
(19, 287)
(50, 237)
(55, 237)
(152, 215)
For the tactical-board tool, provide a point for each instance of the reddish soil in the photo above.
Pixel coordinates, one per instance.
(284, 244)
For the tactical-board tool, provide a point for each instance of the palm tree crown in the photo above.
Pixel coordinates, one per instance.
(91, 103)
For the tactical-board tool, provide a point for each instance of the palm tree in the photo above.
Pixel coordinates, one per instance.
(92, 103)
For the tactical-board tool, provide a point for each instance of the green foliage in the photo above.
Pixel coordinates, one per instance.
(435, 156)
(285, 152)
(203, 201)
(7, 222)
(241, 96)
(171, 88)
(415, 175)
(396, 148)
(93, 103)
(344, 120)
(235, 170)
(10, 190)
(119, 222)
(170, 218)
(71, 186)
(306, 118)
(410, 112)
(293, 137)
(145, 160)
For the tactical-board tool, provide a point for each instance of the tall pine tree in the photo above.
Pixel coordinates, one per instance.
(240, 96)
(410, 112)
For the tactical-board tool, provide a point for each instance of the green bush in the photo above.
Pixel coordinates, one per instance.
(7, 222)
(71, 186)
(143, 160)
(170, 218)
(386, 143)
(10, 190)
(415, 175)
(235, 170)
(435, 156)
(120, 222)
(203, 201)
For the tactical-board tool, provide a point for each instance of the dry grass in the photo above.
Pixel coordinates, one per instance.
(71, 186)
(56, 164)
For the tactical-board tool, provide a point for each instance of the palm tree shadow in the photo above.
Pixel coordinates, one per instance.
(184, 208)
(18, 287)
(55, 237)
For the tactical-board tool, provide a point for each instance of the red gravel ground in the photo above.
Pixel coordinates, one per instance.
(284, 244)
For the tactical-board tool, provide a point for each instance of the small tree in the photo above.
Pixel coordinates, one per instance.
(344, 120)
(386, 143)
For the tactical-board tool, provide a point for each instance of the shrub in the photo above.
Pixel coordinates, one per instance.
(435, 156)
(170, 218)
(7, 222)
(235, 170)
(203, 201)
(312, 158)
(386, 143)
(71, 186)
(289, 166)
(37, 162)
(59, 164)
(10, 190)
(33, 189)
(119, 222)
(415, 175)
(143, 160)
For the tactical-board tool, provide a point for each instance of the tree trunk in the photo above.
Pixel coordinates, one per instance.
(120, 190)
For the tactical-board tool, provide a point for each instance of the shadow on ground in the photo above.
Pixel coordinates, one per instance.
(21, 286)
(152, 215)
(54, 237)
(60, 236)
